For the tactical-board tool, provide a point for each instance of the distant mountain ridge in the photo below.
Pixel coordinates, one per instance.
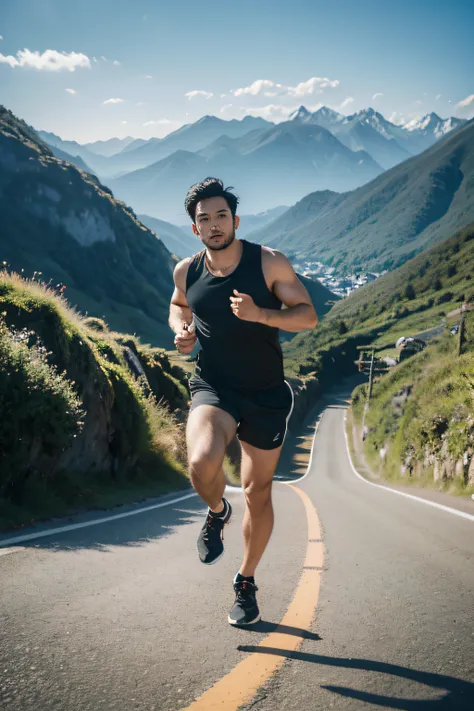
(267, 168)
(138, 153)
(380, 225)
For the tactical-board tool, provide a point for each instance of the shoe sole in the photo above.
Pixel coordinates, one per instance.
(243, 624)
(219, 556)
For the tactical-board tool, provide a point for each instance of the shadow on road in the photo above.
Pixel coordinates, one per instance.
(131, 531)
(460, 694)
(267, 627)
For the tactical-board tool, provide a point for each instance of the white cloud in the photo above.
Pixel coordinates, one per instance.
(258, 87)
(116, 63)
(71, 91)
(124, 122)
(465, 108)
(113, 101)
(270, 112)
(104, 58)
(377, 94)
(418, 101)
(148, 76)
(315, 85)
(222, 95)
(197, 92)
(141, 103)
(266, 87)
(346, 102)
(438, 96)
(225, 108)
(1, 37)
(397, 118)
(49, 60)
(95, 60)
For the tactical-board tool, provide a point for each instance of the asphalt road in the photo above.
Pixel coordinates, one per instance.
(121, 615)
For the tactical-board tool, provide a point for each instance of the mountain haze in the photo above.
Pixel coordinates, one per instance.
(138, 153)
(110, 147)
(181, 242)
(267, 168)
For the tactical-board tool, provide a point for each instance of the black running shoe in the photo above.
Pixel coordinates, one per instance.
(210, 541)
(245, 610)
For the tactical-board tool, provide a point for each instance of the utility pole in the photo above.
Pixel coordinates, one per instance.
(461, 333)
(371, 376)
(362, 365)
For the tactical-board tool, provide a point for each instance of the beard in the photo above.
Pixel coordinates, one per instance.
(226, 242)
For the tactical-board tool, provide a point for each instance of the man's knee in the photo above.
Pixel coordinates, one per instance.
(204, 465)
(258, 494)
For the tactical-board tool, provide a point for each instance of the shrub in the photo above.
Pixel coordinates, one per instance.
(444, 298)
(97, 324)
(41, 412)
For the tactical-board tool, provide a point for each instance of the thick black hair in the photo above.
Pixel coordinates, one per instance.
(210, 187)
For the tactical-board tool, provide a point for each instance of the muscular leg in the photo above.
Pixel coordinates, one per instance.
(257, 469)
(209, 430)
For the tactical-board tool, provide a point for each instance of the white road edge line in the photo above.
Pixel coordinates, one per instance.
(85, 524)
(463, 514)
(95, 522)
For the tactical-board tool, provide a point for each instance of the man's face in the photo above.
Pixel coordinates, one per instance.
(214, 224)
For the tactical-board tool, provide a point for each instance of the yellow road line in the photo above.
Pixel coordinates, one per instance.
(240, 685)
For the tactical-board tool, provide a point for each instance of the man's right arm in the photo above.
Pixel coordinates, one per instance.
(181, 316)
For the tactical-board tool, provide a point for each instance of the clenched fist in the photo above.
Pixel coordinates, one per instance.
(244, 307)
(185, 340)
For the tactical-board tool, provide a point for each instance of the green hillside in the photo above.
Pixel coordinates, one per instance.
(90, 417)
(382, 224)
(61, 222)
(410, 299)
(422, 412)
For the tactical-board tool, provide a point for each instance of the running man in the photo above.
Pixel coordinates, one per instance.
(229, 298)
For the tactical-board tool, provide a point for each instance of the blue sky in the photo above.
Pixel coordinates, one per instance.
(126, 67)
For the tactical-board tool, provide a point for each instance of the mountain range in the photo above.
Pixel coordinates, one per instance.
(268, 164)
(368, 130)
(268, 168)
(380, 225)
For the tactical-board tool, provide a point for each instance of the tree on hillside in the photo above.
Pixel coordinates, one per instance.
(410, 292)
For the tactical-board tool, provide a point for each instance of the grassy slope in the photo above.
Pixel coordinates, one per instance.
(130, 445)
(429, 437)
(440, 277)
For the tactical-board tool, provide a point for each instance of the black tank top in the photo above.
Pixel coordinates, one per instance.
(234, 353)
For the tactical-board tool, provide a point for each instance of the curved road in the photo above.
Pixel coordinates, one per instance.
(374, 592)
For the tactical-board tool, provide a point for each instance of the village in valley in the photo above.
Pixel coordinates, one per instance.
(342, 285)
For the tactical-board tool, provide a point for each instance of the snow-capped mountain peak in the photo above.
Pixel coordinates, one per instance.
(432, 123)
(301, 114)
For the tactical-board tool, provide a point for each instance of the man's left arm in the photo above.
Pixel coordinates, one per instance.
(299, 314)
